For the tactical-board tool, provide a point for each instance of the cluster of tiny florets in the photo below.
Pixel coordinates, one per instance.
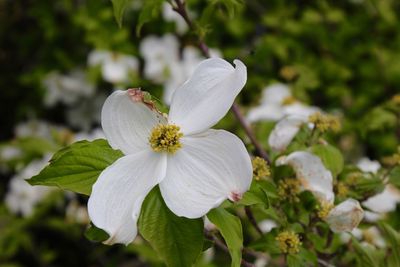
(392, 160)
(289, 100)
(289, 189)
(288, 242)
(396, 99)
(325, 122)
(261, 169)
(323, 209)
(165, 138)
(342, 189)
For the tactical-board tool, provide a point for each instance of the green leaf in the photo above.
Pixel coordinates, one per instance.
(230, 228)
(119, 9)
(256, 195)
(367, 256)
(177, 240)
(150, 10)
(96, 234)
(394, 240)
(394, 177)
(331, 157)
(77, 166)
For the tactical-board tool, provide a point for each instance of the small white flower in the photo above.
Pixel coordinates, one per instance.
(317, 179)
(373, 236)
(384, 202)
(274, 108)
(367, 165)
(196, 168)
(115, 67)
(267, 225)
(158, 54)
(66, 89)
(284, 132)
(312, 174)
(86, 113)
(345, 216)
(21, 196)
(345, 237)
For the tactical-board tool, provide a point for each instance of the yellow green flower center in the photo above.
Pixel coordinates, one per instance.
(324, 122)
(165, 138)
(289, 100)
(260, 168)
(288, 242)
(289, 189)
(324, 209)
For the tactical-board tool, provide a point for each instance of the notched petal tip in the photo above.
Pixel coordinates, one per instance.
(235, 196)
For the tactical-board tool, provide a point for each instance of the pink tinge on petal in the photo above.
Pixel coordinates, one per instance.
(137, 95)
(235, 196)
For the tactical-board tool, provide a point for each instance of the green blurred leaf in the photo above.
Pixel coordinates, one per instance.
(367, 256)
(150, 10)
(119, 9)
(256, 195)
(331, 157)
(230, 228)
(178, 240)
(96, 234)
(77, 166)
(394, 177)
(394, 241)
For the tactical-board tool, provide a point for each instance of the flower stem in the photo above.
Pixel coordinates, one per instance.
(180, 8)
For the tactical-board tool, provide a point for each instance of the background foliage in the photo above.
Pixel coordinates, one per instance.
(342, 56)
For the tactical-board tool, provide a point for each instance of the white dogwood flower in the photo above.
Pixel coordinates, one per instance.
(345, 216)
(284, 132)
(314, 177)
(21, 196)
(312, 174)
(197, 168)
(367, 165)
(66, 88)
(276, 103)
(115, 67)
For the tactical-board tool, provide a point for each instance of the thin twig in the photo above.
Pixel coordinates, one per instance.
(252, 220)
(180, 8)
(223, 247)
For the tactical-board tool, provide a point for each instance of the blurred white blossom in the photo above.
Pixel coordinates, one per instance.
(67, 88)
(367, 165)
(115, 67)
(165, 64)
(21, 197)
(277, 102)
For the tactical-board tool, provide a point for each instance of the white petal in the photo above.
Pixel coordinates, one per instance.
(97, 57)
(300, 109)
(345, 216)
(284, 132)
(209, 168)
(367, 165)
(127, 123)
(372, 217)
(267, 112)
(207, 96)
(267, 225)
(311, 172)
(275, 94)
(385, 201)
(118, 193)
